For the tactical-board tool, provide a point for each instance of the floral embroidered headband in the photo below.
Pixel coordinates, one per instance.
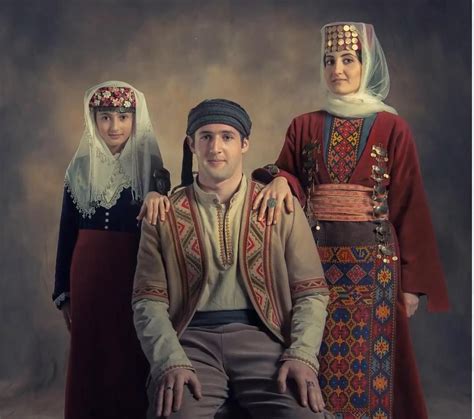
(114, 99)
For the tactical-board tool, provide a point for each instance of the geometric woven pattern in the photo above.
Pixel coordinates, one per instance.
(256, 238)
(356, 356)
(187, 240)
(344, 140)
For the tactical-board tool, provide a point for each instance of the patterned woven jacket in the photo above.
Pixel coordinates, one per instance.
(279, 264)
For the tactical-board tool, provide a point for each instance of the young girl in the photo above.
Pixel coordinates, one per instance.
(117, 163)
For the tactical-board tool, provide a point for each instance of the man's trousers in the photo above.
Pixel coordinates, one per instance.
(242, 362)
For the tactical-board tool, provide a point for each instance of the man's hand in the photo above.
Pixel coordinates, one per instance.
(411, 303)
(154, 206)
(307, 382)
(170, 390)
(66, 310)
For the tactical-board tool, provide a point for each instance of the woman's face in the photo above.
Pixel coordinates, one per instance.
(342, 71)
(115, 128)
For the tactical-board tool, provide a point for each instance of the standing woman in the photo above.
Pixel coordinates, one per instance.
(118, 161)
(354, 167)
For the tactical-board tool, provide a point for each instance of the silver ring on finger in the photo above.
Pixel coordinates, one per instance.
(169, 388)
(271, 203)
(310, 383)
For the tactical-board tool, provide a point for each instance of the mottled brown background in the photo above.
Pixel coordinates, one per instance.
(263, 54)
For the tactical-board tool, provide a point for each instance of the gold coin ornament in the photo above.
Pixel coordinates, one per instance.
(341, 37)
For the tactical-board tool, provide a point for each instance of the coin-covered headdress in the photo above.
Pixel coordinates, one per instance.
(341, 37)
(375, 80)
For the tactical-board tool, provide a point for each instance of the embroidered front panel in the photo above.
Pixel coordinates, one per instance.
(343, 145)
(356, 356)
(257, 265)
(187, 242)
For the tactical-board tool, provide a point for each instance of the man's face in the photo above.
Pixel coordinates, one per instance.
(218, 149)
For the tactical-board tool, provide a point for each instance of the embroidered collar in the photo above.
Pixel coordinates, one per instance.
(211, 198)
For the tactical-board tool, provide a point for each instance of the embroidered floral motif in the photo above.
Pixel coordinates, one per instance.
(114, 97)
(381, 347)
(356, 356)
(383, 312)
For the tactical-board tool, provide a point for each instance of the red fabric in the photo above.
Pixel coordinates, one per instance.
(421, 270)
(107, 370)
(420, 266)
(408, 401)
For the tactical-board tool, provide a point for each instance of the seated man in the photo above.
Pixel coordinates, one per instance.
(222, 302)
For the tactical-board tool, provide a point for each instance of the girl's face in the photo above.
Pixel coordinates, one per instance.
(342, 71)
(115, 128)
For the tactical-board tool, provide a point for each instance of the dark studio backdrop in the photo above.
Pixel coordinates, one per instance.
(262, 54)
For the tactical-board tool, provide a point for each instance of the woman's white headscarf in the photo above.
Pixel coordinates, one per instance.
(375, 80)
(95, 177)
